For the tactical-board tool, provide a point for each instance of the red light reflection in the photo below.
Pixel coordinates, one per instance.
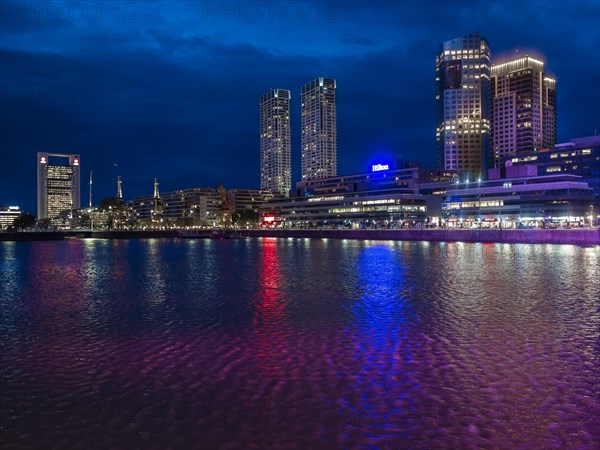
(269, 322)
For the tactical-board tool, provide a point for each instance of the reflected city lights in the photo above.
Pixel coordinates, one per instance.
(269, 320)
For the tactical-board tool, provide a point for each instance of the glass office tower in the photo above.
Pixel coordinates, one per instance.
(463, 111)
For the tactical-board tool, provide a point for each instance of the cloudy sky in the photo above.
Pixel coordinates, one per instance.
(170, 89)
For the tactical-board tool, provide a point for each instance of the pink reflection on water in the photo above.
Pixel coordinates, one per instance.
(269, 323)
(57, 268)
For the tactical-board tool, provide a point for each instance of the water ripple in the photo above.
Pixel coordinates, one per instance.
(297, 343)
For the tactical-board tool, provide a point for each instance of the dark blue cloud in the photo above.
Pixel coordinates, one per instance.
(171, 88)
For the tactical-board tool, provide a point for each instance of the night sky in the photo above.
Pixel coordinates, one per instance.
(171, 89)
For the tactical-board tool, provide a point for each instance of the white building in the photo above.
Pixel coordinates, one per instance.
(58, 186)
(275, 142)
(319, 133)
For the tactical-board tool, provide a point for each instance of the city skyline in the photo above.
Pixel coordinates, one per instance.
(167, 125)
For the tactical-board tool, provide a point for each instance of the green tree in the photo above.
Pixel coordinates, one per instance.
(244, 216)
(23, 221)
(110, 202)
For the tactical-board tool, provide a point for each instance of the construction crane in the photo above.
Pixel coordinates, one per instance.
(225, 210)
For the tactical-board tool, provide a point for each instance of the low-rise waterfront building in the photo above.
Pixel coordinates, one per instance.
(518, 197)
(249, 199)
(384, 197)
(8, 214)
(382, 176)
(580, 156)
(198, 206)
(389, 208)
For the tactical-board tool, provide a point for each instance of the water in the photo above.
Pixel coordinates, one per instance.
(298, 344)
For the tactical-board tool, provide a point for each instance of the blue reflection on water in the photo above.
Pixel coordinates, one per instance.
(382, 316)
(383, 304)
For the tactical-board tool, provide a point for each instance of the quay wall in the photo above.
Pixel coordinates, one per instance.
(59, 235)
(584, 237)
(575, 236)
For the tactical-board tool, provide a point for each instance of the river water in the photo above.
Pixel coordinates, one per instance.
(298, 344)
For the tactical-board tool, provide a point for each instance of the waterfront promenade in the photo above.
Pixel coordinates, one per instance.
(579, 236)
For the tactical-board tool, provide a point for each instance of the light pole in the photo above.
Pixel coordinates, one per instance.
(91, 217)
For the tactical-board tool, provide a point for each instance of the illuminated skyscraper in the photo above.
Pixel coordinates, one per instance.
(463, 112)
(275, 142)
(523, 107)
(319, 134)
(57, 185)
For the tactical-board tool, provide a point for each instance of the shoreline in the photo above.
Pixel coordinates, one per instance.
(585, 237)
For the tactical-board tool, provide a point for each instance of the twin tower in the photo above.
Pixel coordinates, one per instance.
(319, 135)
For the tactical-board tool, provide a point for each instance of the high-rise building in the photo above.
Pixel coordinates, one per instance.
(58, 186)
(319, 134)
(523, 107)
(463, 112)
(275, 142)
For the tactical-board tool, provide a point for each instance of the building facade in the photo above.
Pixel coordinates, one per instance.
(463, 105)
(523, 108)
(383, 197)
(517, 197)
(58, 186)
(196, 206)
(402, 175)
(392, 208)
(579, 156)
(8, 214)
(319, 129)
(249, 199)
(275, 142)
